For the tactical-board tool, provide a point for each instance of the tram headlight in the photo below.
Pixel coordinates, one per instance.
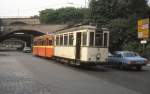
(98, 56)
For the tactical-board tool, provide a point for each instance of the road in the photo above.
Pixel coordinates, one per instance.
(23, 73)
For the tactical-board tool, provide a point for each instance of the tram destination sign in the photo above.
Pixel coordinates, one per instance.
(143, 28)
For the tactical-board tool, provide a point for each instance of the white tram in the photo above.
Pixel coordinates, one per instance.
(82, 45)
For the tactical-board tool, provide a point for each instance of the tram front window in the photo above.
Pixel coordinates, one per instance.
(99, 39)
(105, 39)
(91, 40)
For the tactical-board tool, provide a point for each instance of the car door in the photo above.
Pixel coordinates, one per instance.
(117, 58)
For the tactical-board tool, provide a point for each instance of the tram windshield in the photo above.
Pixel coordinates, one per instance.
(99, 38)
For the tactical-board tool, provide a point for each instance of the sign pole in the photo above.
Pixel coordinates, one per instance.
(149, 29)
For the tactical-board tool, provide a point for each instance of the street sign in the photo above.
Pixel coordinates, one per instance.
(143, 41)
(143, 28)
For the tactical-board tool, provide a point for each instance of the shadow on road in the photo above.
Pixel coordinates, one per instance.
(93, 68)
(82, 68)
(127, 69)
(98, 68)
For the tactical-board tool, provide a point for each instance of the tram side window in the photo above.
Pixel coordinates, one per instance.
(46, 42)
(61, 39)
(105, 39)
(35, 43)
(57, 40)
(91, 41)
(38, 42)
(65, 39)
(84, 38)
(50, 42)
(71, 39)
(42, 42)
(99, 39)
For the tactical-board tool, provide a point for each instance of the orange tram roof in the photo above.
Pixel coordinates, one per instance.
(43, 37)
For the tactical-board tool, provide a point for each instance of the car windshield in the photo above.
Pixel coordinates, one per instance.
(130, 54)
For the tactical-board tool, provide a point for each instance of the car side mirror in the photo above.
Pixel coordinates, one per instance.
(110, 55)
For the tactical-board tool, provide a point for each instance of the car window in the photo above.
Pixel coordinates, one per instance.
(117, 55)
(130, 54)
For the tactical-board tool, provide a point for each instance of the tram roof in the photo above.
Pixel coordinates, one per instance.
(75, 28)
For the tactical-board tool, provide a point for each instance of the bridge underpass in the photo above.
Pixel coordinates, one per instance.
(25, 35)
(25, 29)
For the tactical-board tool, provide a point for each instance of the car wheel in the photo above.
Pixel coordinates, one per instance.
(138, 68)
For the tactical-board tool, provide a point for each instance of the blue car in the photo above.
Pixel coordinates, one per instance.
(124, 59)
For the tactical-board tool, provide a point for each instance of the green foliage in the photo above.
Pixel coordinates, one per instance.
(63, 15)
(118, 33)
(132, 46)
(69, 15)
(48, 16)
(106, 10)
(120, 16)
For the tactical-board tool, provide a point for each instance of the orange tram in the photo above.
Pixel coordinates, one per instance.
(43, 46)
(82, 45)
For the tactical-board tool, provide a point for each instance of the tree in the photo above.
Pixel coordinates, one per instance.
(105, 10)
(48, 16)
(63, 15)
(120, 16)
(118, 33)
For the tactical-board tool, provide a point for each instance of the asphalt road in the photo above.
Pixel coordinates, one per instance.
(22, 73)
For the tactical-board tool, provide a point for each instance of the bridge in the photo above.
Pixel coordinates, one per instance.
(10, 25)
(25, 28)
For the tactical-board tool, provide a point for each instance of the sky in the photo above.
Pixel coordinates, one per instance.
(10, 8)
(13, 8)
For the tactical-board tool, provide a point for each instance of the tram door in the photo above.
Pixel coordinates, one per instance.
(78, 45)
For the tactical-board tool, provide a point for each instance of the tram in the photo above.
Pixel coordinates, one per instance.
(43, 46)
(80, 45)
